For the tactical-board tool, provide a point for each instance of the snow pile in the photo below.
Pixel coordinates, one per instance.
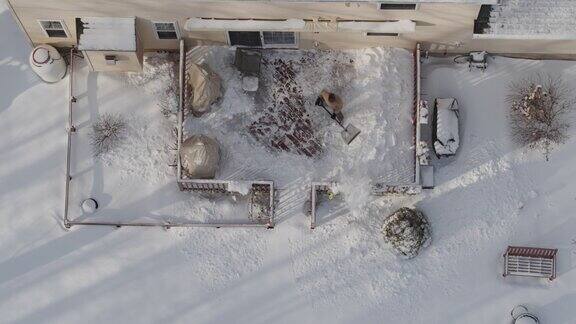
(243, 25)
(250, 83)
(159, 78)
(241, 187)
(148, 149)
(447, 137)
(407, 231)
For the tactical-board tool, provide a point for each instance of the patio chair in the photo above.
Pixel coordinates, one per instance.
(478, 60)
(530, 262)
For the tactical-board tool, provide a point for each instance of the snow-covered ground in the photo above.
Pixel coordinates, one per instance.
(491, 195)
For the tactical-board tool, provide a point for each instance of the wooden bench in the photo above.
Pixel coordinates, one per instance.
(530, 262)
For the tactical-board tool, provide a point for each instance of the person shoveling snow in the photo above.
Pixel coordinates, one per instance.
(336, 105)
(334, 102)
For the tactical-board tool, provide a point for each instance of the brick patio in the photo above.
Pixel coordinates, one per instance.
(283, 124)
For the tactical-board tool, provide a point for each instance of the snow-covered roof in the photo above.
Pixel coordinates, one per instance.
(531, 19)
(433, 1)
(107, 33)
(400, 26)
(216, 24)
(491, 2)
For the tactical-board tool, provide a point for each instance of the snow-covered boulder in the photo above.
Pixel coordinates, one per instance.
(447, 138)
(407, 231)
(200, 156)
(205, 86)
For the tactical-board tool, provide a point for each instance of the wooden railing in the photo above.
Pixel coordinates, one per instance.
(203, 185)
(417, 91)
(315, 189)
(70, 129)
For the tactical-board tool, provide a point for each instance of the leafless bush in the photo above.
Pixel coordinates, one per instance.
(107, 132)
(407, 231)
(539, 110)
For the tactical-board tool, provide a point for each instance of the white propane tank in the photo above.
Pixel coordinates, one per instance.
(47, 63)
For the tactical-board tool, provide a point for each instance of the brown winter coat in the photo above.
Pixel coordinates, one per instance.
(337, 105)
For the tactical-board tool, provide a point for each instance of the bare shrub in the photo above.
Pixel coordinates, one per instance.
(107, 133)
(539, 111)
(407, 231)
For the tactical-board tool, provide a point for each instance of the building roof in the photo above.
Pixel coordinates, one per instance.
(489, 2)
(107, 33)
(531, 19)
(447, 1)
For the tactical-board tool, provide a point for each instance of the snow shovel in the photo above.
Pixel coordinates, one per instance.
(349, 133)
